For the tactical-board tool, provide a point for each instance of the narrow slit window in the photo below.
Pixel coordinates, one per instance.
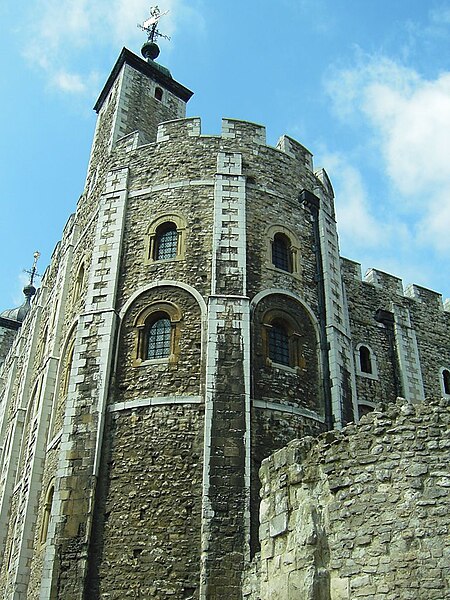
(365, 360)
(159, 339)
(446, 381)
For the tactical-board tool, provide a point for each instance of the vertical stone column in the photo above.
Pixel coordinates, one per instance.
(341, 361)
(408, 355)
(226, 480)
(70, 525)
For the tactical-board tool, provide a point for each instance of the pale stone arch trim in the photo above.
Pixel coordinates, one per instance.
(373, 362)
(164, 283)
(151, 234)
(281, 292)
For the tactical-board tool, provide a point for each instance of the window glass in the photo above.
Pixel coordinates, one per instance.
(159, 338)
(166, 241)
(279, 345)
(281, 253)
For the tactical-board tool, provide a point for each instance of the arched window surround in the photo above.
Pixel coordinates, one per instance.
(444, 378)
(278, 319)
(146, 318)
(292, 247)
(365, 361)
(151, 238)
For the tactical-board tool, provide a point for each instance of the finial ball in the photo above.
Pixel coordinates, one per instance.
(150, 50)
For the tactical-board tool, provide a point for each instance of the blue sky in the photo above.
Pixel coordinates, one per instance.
(363, 84)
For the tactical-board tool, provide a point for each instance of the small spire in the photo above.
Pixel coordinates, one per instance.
(150, 50)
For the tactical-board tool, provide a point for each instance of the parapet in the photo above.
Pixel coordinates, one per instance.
(433, 299)
(290, 146)
(384, 280)
(351, 267)
(394, 285)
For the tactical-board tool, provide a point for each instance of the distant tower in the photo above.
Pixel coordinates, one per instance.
(11, 319)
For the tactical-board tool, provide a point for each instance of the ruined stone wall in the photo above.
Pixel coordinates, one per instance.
(360, 513)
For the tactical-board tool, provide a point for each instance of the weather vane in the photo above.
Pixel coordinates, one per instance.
(150, 26)
(33, 271)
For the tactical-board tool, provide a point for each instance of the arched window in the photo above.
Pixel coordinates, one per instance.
(159, 337)
(279, 344)
(281, 340)
(166, 243)
(365, 362)
(79, 281)
(67, 368)
(165, 239)
(446, 381)
(158, 93)
(158, 332)
(47, 513)
(281, 252)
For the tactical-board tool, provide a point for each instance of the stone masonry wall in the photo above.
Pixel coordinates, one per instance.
(361, 513)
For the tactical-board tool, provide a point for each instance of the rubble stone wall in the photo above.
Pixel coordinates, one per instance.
(360, 513)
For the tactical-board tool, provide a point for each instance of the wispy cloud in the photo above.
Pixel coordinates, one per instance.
(65, 31)
(408, 120)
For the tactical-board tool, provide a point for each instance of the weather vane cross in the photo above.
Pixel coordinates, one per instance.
(33, 271)
(150, 26)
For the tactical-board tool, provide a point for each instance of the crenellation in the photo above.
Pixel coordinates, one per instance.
(390, 283)
(293, 148)
(432, 299)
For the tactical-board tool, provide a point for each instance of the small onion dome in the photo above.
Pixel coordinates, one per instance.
(18, 314)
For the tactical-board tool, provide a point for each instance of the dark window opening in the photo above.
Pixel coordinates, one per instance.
(446, 380)
(158, 93)
(279, 345)
(365, 361)
(364, 409)
(159, 338)
(166, 243)
(281, 252)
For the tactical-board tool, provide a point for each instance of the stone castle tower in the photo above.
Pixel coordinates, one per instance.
(196, 316)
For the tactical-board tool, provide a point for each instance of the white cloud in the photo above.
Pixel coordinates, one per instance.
(409, 122)
(64, 29)
(356, 222)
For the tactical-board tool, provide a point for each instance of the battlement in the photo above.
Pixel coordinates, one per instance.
(394, 285)
(245, 133)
